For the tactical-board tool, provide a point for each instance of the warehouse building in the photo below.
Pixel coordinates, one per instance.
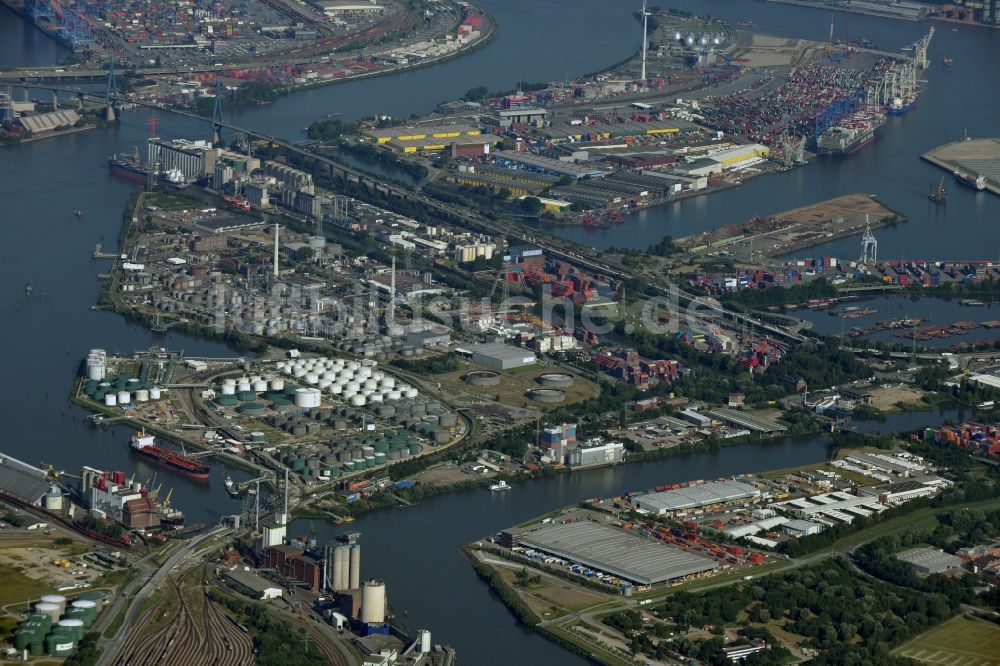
(21, 480)
(616, 552)
(741, 420)
(694, 497)
(498, 356)
(930, 560)
(516, 160)
(252, 585)
(904, 491)
(430, 138)
(839, 506)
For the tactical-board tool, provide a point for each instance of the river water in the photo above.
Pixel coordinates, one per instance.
(415, 550)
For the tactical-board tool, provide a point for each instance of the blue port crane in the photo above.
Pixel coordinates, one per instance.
(841, 107)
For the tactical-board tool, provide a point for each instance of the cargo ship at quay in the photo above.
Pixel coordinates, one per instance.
(145, 445)
(850, 134)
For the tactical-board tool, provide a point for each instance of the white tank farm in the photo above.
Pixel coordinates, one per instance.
(281, 365)
(335, 389)
(277, 384)
(358, 400)
(124, 397)
(142, 395)
(371, 384)
(387, 382)
(229, 389)
(328, 375)
(110, 399)
(312, 378)
(307, 398)
(376, 397)
(244, 385)
(394, 395)
(410, 393)
(155, 393)
(51, 610)
(260, 386)
(353, 366)
(324, 383)
(57, 599)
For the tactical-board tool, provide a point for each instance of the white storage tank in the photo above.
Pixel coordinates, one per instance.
(57, 599)
(142, 395)
(358, 400)
(54, 499)
(259, 386)
(312, 378)
(51, 610)
(110, 399)
(229, 389)
(124, 397)
(277, 384)
(154, 393)
(307, 398)
(410, 393)
(244, 385)
(373, 602)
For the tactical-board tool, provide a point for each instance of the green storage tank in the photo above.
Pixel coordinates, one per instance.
(82, 614)
(75, 625)
(334, 473)
(298, 464)
(349, 466)
(281, 402)
(66, 632)
(246, 396)
(379, 458)
(59, 646)
(290, 390)
(22, 637)
(226, 400)
(36, 648)
(43, 620)
(414, 449)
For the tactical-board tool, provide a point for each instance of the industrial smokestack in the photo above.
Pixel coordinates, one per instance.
(276, 275)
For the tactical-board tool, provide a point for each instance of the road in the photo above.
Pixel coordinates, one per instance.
(114, 644)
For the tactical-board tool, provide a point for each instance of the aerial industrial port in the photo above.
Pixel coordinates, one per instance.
(354, 353)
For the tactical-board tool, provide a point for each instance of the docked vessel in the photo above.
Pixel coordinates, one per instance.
(130, 167)
(946, 61)
(172, 517)
(231, 487)
(237, 203)
(976, 182)
(850, 133)
(28, 288)
(499, 486)
(901, 105)
(145, 446)
(174, 178)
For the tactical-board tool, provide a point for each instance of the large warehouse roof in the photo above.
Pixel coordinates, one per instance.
(616, 552)
(22, 480)
(694, 496)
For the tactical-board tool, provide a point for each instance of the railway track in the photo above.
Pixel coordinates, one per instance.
(219, 642)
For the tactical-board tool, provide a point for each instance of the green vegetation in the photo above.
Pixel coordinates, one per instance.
(960, 640)
(368, 152)
(797, 293)
(14, 519)
(248, 94)
(18, 588)
(102, 526)
(328, 130)
(437, 365)
(278, 643)
(664, 247)
(87, 653)
(852, 619)
(509, 597)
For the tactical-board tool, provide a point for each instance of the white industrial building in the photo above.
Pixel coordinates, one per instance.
(253, 585)
(694, 497)
(594, 453)
(839, 506)
(498, 356)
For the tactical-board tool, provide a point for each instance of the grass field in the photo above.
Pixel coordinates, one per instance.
(958, 642)
(18, 588)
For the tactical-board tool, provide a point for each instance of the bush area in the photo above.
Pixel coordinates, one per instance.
(87, 653)
(437, 365)
(797, 293)
(277, 642)
(854, 620)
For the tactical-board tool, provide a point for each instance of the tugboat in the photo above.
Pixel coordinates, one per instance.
(28, 288)
(499, 486)
(231, 487)
(938, 196)
(946, 61)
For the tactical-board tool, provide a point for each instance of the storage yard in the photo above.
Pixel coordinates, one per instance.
(781, 233)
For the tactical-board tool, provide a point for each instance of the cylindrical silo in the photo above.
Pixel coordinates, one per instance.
(354, 570)
(57, 599)
(51, 611)
(341, 568)
(373, 602)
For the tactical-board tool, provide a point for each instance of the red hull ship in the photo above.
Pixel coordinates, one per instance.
(145, 446)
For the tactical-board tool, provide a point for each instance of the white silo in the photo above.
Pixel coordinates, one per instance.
(51, 610)
(424, 637)
(57, 599)
(229, 389)
(358, 400)
(142, 395)
(110, 399)
(54, 499)
(354, 571)
(260, 386)
(124, 398)
(373, 602)
(341, 568)
(277, 384)
(307, 398)
(154, 393)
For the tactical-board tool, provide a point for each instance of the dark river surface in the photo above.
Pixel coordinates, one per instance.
(415, 549)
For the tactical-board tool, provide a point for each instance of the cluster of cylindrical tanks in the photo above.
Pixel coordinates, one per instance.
(353, 382)
(55, 626)
(120, 389)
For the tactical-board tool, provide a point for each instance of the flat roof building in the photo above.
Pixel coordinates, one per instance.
(21, 480)
(498, 356)
(252, 585)
(693, 497)
(617, 552)
(929, 560)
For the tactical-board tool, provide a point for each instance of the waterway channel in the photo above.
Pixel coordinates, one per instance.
(45, 335)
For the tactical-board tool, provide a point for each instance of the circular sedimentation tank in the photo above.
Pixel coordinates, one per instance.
(547, 395)
(556, 380)
(482, 378)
